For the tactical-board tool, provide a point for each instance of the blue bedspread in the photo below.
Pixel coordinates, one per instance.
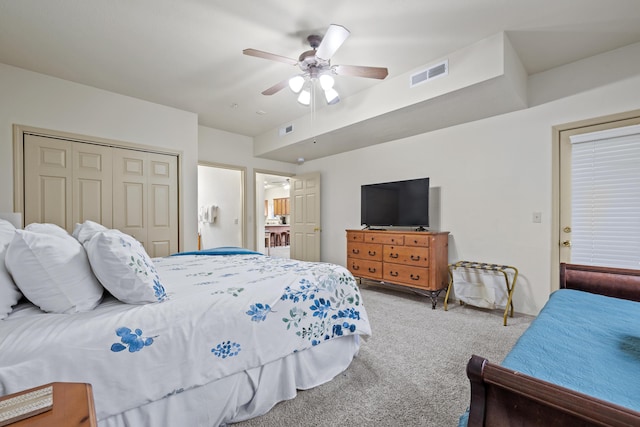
(585, 342)
(222, 250)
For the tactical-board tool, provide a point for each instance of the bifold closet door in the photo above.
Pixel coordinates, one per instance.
(145, 199)
(48, 181)
(68, 182)
(92, 184)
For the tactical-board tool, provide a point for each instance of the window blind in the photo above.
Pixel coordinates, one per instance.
(605, 198)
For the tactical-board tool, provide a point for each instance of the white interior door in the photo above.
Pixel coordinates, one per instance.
(68, 181)
(48, 176)
(92, 184)
(162, 221)
(305, 217)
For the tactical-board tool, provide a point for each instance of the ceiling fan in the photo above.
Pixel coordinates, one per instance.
(315, 65)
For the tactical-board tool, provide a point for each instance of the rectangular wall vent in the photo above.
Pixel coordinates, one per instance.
(438, 70)
(285, 130)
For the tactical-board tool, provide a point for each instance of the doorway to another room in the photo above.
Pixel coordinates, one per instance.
(273, 214)
(221, 213)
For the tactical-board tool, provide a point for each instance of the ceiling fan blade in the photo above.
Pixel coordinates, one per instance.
(331, 42)
(360, 71)
(270, 56)
(276, 87)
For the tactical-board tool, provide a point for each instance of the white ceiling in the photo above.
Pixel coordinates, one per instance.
(188, 53)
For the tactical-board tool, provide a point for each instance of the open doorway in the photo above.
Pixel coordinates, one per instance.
(221, 215)
(273, 214)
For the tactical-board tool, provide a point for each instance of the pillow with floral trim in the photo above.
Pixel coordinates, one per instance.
(124, 268)
(52, 271)
(9, 294)
(85, 231)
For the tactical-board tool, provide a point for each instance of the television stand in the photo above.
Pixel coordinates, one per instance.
(416, 259)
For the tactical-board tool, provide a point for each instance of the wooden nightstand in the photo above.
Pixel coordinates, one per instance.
(72, 406)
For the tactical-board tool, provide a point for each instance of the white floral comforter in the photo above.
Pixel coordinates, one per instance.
(224, 314)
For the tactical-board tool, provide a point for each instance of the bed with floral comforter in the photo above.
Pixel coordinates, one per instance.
(225, 318)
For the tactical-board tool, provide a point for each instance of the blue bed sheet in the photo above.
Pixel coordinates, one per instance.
(222, 250)
(585, 342)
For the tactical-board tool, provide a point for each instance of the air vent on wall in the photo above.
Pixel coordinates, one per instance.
(438, 70)
(285, 130)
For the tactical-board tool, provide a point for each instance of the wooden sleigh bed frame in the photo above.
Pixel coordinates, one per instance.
(504, 397)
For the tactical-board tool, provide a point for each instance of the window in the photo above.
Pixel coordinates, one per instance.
(605, 197)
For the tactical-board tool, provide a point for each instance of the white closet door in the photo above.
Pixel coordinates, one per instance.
(68, 182)
(145, 199)
(130, 193)
(92, 183)
(48, 176)
(162, 229)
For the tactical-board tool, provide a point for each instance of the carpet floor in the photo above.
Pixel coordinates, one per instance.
(410, 372)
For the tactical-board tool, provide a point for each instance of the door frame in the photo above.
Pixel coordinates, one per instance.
(556, 193)
(259, 205)
(243, 196)
(18, 163)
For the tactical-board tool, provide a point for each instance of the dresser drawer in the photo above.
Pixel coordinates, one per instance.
(365, 268)
(368, 251)
(406, 275)
(355, 236)
(416, 240)
(417, 256)
(384, 238)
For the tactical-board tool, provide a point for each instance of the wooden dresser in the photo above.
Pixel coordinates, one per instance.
(417, 259)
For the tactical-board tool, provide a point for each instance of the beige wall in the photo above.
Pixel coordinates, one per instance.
(491, 174)
(37, 100)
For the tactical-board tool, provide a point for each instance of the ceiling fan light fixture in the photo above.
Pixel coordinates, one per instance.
(305, 97)
(326, 81)
(296, 83)
(332, 97)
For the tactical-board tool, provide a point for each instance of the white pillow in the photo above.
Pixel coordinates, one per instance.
(46, 228)
(9, 294)
(124, 268)
(85, 231)
(53, 271)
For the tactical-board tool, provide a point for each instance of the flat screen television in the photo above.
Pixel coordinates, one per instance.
(398, 203)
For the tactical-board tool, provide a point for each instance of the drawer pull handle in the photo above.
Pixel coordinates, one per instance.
(416, 277)
(415, 257)
(415, 242)
(372, 253)
(393, 255)
(355, 267)
(355, 251)
(372, 270)
(393, 273)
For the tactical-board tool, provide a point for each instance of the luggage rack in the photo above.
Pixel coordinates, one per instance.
(504, 269)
